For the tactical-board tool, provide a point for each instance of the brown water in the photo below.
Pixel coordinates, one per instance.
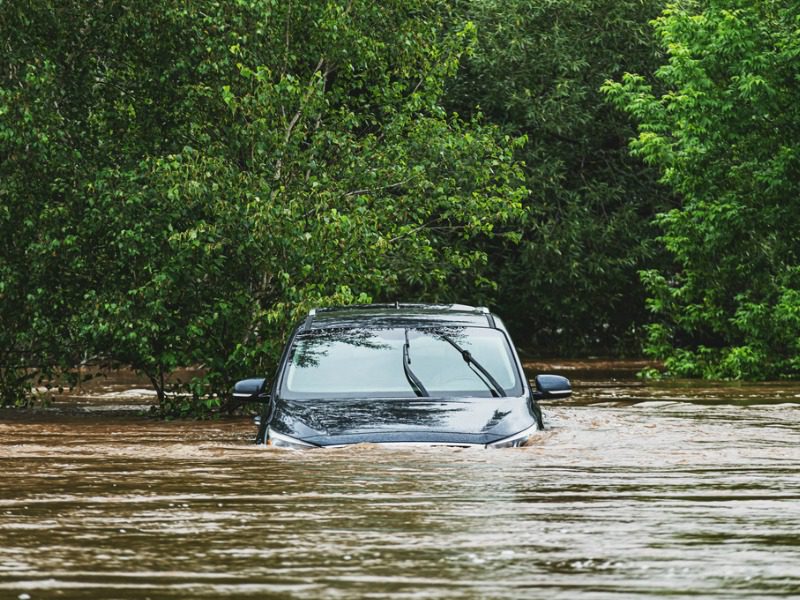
(660, 490)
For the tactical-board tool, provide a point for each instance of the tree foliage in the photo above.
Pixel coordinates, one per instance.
(180, 181)
(725, 134)
(570, 284)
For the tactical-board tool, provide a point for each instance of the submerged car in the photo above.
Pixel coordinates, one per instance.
(400, 374)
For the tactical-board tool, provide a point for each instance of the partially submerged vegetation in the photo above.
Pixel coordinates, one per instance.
(180, 182)
(724, 130)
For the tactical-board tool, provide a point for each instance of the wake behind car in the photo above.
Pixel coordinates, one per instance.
(400, 374)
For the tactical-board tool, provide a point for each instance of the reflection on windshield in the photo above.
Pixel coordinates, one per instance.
(310, 351)
(352, 363)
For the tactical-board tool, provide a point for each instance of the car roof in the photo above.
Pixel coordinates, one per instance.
(397, 314)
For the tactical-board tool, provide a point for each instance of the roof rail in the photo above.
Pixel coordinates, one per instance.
(309, 319)
(489, 316)
(397, 305)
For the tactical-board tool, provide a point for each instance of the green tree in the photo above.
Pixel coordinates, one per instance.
(34, 165)
(570, 284)
(194, 176)
(725, 134)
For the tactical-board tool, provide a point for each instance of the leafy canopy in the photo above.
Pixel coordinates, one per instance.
(182, 180)
(570, 283)
(725, 135)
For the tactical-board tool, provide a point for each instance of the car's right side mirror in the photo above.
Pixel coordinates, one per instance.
(552, 386)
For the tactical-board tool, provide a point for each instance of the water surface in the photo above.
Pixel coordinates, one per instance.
(634, 490)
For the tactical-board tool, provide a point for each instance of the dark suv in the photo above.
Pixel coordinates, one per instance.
(400, 374)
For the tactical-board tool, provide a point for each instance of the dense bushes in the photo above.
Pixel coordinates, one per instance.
(179, 181)
(571, 283)
(725, 133)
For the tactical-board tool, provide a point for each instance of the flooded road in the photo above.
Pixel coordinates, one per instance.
(634, 490)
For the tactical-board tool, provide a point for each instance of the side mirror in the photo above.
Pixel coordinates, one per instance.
(552, 386)
(251, 390)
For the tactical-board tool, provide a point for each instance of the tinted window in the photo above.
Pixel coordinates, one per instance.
(339, 363)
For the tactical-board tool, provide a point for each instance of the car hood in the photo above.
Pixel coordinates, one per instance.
(425, 420)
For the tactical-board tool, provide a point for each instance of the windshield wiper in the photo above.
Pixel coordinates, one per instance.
(416, 384)
(490, 382)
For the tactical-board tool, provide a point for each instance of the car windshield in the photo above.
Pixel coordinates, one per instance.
(372, 363)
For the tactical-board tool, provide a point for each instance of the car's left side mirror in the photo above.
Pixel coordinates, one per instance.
(251, 390)
(552, 386)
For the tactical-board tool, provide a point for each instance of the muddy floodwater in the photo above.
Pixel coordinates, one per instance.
(634, 490)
